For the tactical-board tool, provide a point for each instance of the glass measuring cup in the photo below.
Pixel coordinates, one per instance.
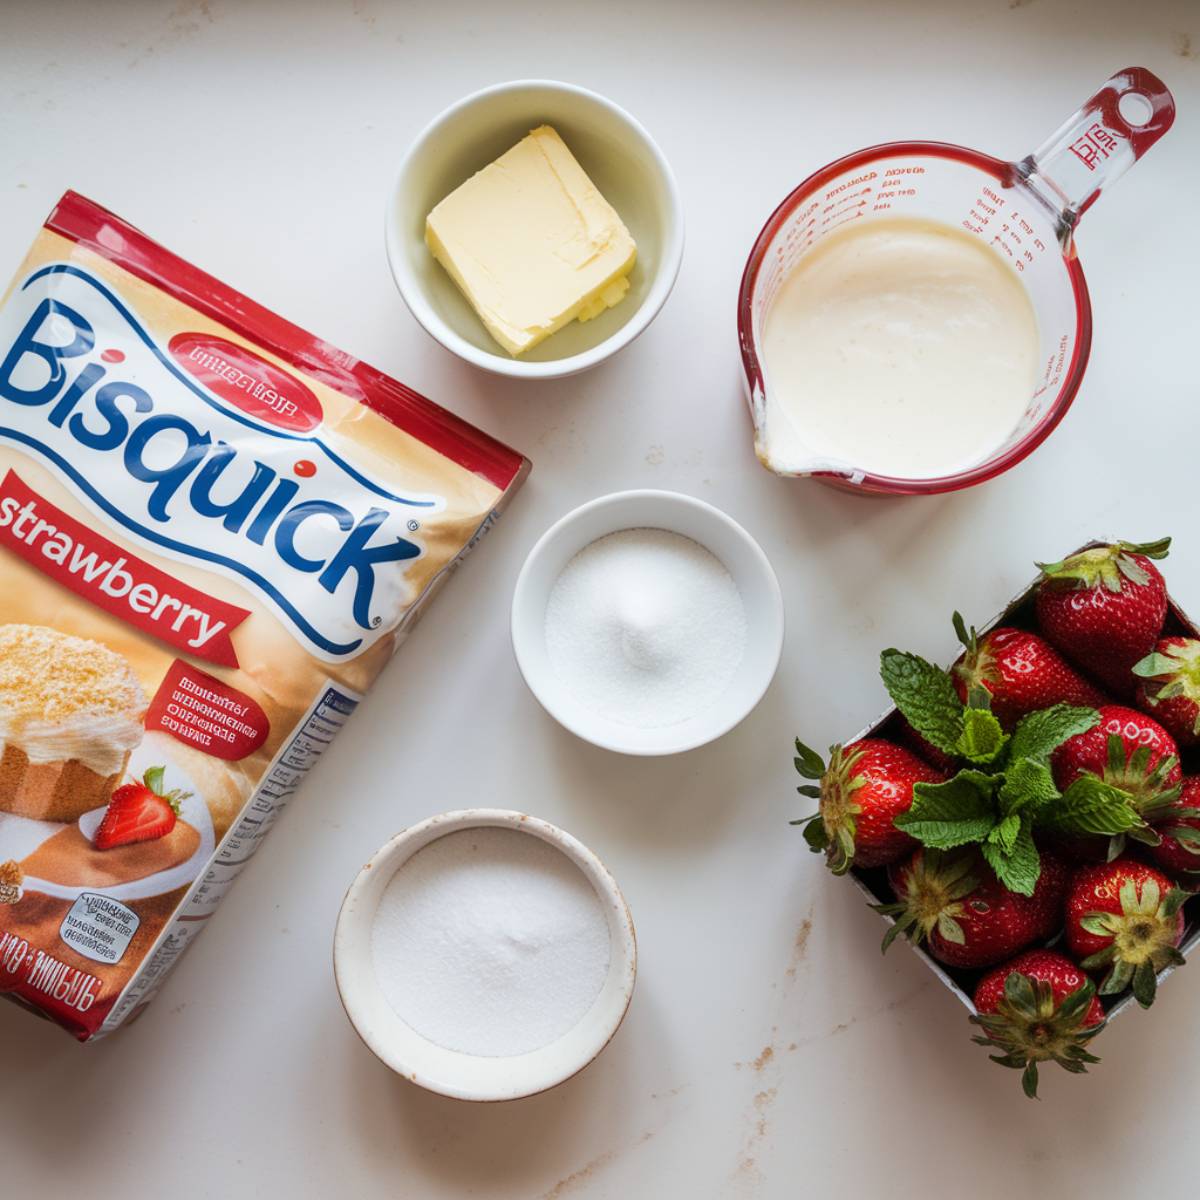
(1026, 211)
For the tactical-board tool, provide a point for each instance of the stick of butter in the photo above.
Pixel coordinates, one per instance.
(532, 243)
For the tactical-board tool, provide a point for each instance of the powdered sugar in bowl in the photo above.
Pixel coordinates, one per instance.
(647, 622)
(485, 954)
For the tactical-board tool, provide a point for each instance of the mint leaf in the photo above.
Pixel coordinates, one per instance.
(981, 739)
(1040, 733)
(1027, 784)
(955, 813)
(1090, 805)
(925, 695)
(1018, 869)
(1005, 834)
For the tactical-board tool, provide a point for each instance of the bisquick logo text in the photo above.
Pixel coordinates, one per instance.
(86, 388)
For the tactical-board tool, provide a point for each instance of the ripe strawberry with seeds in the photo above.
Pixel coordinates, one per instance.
(1130, 751)
(1179, 850)
(1020, 671)
(1169, 687)
(954, 903)
(1126, 919)
(1038, 1008)
(863, 789)
(1104, 608)
(140, 811)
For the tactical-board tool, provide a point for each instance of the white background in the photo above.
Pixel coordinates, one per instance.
(259, 141)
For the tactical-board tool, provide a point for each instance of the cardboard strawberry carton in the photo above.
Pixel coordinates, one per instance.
(1057, 847)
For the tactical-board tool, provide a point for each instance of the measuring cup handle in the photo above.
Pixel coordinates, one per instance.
(1097, 145)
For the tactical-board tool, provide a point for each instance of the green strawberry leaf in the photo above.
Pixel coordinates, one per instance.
(1156, 549)
(808, 762)
(153, 779)
(1040, 733)
(955, 813)
(925, 695)
(1019, 868)
(1155, 664)
(982, 739)
(1027, 784)
(815, 834)
(1090, 805)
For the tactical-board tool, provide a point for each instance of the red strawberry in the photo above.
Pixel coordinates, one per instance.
(1126, 917)
(1179, 850)
(865, 787)
(1021, 671)
(1038, 1008)
(1169, 687)
(139, 812)
(1130, 751)
(1104, 608)
(955, 904)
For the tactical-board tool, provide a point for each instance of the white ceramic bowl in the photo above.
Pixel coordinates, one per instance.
(450, 1072)
(623, 162)
(724, 537)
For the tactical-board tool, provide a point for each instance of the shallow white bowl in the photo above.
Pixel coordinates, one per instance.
(724, 537)
(622, 160)
(450, 1072)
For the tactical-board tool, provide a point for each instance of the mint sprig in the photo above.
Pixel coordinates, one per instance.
(1014, 858)
(955, 813)
(925, 695)
(982, 740)
(1040, 733)
(1005, 791)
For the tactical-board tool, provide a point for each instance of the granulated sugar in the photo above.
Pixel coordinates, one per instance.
(491, 942)
(645, 627)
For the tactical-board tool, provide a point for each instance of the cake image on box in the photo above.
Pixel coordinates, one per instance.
(70, 713)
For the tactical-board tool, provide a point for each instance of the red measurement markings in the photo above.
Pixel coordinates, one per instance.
(983, 208)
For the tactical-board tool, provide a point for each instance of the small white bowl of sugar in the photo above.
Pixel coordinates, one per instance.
(647, 622)
(485, 954)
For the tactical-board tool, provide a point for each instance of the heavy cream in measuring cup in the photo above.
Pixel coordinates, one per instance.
(898, 347)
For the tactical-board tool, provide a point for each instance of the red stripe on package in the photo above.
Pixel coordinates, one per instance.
(114, 579)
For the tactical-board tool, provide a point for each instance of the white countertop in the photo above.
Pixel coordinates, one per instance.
(770, 1051)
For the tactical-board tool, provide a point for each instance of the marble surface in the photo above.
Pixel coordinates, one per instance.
(769, 1051)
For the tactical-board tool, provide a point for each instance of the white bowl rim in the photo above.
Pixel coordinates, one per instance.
(500, 363)
(773, 636)
(354, 978)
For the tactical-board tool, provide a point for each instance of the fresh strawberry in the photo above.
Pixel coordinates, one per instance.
(1169, 687)
(1125, 918)
(1179, 850)
(1021, 672)
(865, 787)
(1038, 1008)
(1104, 608)
(1130, 751)
(139, 812)
(955, 904)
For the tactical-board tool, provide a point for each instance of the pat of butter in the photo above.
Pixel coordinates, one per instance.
(532, 243)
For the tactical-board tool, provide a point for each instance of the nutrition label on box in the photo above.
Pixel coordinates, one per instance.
(327, 715)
